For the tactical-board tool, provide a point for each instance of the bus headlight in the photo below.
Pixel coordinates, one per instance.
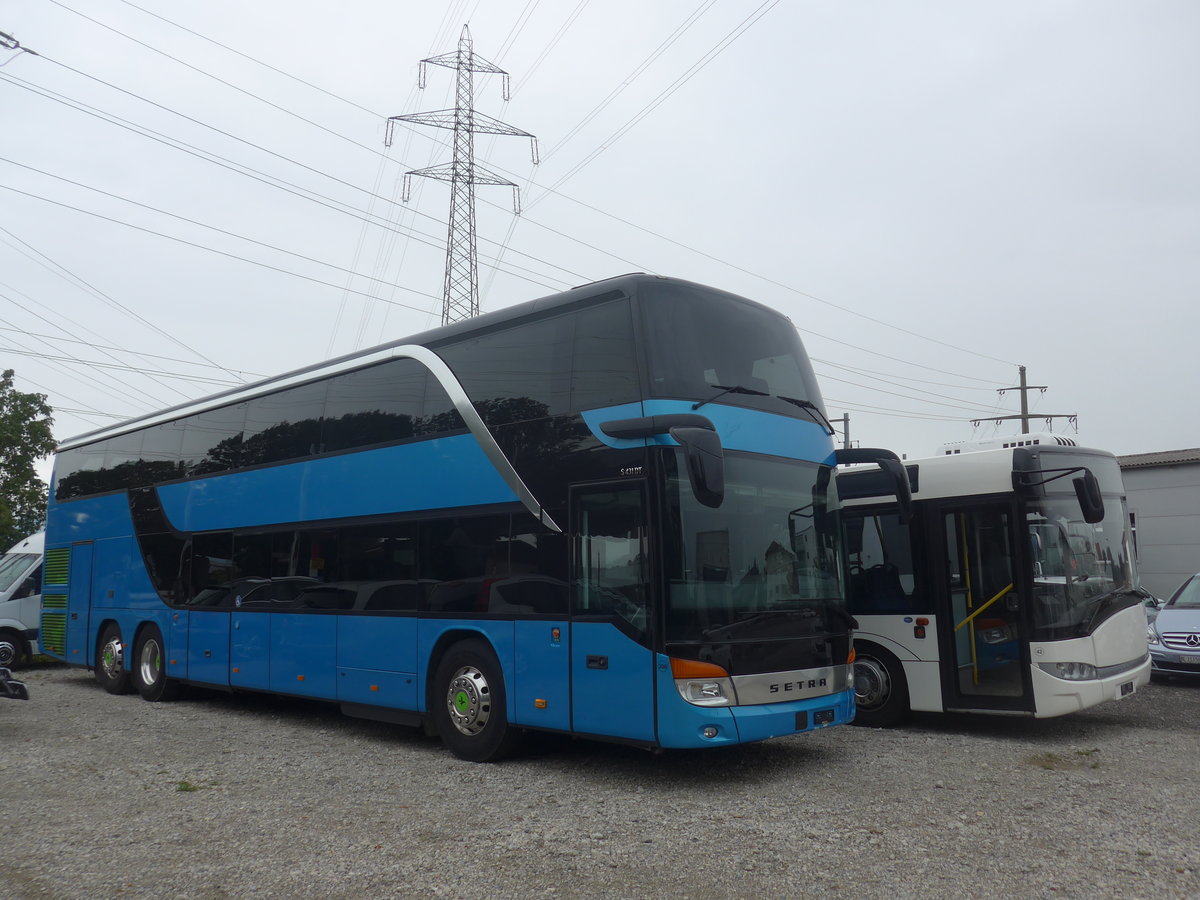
(717, 692)
(703, 683)
(1069, 671)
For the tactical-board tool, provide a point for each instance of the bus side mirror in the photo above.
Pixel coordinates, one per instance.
(890, 463)
(705, 462)
(1091, 503)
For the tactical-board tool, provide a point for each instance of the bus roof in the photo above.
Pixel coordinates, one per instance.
(596, 291)
(958, 475)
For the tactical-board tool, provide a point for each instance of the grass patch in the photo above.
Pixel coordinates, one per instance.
(186, 786)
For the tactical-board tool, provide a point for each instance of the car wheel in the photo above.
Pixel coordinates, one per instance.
(13, 649)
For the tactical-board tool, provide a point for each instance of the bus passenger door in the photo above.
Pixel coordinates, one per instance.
(612, 667)
(982, 632)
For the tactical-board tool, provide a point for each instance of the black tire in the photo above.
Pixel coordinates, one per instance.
(110, 669)
(468, 703)
(880, 688)
(13, 649)
(150, 669)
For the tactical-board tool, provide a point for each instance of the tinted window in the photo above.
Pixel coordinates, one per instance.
(700, 341)
(517, 374)
(286, 425)
(375, 405)
(212, 441)
(162, 446)
(439, 412)
(77, 472)
(881, 578)
(605, 365)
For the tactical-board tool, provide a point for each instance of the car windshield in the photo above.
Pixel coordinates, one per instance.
(1188, 595)
(13, 566)
(765, 563)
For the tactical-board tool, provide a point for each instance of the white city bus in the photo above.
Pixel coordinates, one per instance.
(1012, 589)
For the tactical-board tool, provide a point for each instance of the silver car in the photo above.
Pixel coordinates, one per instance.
(1174, 635)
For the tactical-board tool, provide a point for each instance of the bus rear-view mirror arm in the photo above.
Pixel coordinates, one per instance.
(890, 463)
(700, 442)
(1087, 488)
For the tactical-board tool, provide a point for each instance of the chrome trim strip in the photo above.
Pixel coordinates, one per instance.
(458, 396)
(426, 357)
(799, 684)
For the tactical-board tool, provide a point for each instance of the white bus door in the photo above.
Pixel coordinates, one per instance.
(983, 637)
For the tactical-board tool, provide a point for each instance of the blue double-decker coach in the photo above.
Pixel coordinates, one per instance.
(608, 513)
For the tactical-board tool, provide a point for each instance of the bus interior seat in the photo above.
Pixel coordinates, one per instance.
(879, 588)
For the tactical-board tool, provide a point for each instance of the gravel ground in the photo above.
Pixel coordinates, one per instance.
(242, 796)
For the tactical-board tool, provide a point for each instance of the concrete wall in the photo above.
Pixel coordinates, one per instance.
(1165, 503)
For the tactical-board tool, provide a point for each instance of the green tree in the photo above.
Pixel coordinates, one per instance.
(25, 437)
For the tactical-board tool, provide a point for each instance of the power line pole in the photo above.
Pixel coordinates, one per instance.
(845, 430)
(1024, 415)
(461, 286)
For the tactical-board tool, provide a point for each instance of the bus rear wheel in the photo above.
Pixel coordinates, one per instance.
(110, 668)
(149, 667)
(880, 688)
(468, 703)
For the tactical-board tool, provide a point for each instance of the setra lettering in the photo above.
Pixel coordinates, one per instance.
(786, 686)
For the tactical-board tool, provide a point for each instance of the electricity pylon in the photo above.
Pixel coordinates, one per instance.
(461, 293)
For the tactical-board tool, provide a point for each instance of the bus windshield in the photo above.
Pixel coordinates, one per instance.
(765, 563)
(706, 346)
(1081, 572)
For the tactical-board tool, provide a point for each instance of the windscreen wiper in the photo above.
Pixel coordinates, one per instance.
(729, 389)
(812, 408)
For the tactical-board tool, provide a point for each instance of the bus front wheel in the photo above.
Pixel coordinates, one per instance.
(110, 668)
(149, 667)
(880, 688)
(468, 703)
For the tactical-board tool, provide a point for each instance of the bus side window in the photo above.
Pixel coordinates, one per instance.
(882, 578)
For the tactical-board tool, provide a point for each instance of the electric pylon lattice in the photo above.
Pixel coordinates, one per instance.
(461, 290)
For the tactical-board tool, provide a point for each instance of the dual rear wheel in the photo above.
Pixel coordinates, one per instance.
(148, 672)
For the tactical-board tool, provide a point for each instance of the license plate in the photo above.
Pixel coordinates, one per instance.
(1127, 689)
(1190, 659)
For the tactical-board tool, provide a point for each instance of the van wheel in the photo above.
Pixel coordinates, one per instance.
(12, 649)
(150, 667)
(468, 703)
(880, 688)
(110, 662)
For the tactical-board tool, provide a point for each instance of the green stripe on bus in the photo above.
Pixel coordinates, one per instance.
(58, 566)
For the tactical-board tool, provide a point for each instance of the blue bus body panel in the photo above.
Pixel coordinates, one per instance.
(616, 700)
(303, 654)
(453, 472)
(373, 687)
(208, 647)
(748, 430)
(176, 636)
(250, 650)
(386, 643)
(542, 673)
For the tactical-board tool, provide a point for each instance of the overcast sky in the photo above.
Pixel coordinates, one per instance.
(198, 193)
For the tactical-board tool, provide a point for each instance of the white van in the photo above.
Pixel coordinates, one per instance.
(21, 600)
